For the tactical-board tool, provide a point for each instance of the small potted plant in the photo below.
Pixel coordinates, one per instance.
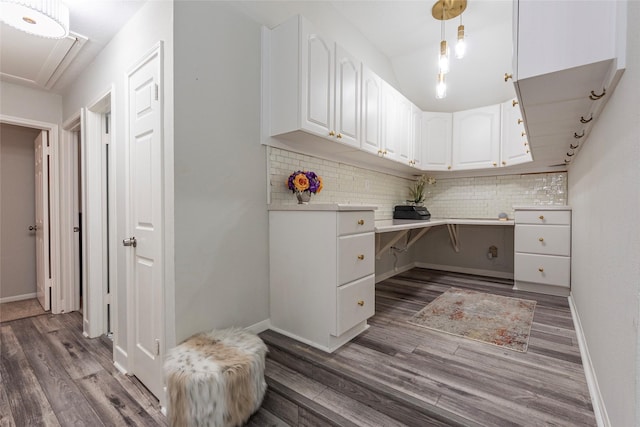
(416, 190)
(303, 184)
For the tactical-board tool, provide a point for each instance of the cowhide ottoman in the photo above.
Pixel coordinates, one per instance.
(215, 379)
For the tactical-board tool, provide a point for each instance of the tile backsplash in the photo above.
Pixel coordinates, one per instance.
(483, 197)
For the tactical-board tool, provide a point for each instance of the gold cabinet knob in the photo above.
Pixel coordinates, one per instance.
(380, 153)
(449, 167)
(339, 135)
(526, 143)
(540, 239)
(331, 133)
(514, 103)
(520, 121)
(541, 270)
(384, 152)
(523, 133)
(361, 222)
(360, 257)
(504, 163)
(360, 303)
(541, 217)
(527, 151)
(507, 76)
(495, 164)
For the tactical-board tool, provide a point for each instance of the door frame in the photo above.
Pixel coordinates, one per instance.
(54, 203)
(96, 244)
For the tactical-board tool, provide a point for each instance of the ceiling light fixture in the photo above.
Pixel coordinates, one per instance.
(444, 10)
(44, 18)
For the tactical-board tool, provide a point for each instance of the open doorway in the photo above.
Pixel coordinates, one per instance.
(29, 233)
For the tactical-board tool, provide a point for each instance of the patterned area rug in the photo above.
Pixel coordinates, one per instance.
(494, 319)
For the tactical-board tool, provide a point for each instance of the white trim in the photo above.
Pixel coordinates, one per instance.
(465, 270)
(120, 368)
(262, 326)
(388, 274)
(120, 357)
(54, 184)
(18, 298)
(599, 408)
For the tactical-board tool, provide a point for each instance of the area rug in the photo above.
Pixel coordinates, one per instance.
(20, 309)
(493, 319)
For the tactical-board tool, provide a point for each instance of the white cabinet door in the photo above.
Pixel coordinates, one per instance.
(417, 141)
(371, 135)
(436, 135)
(514, 148)
(476, 138)
(347, 92)
(316, 80)
(397, 119)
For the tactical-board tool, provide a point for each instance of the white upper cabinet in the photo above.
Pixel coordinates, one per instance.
(396, 124)
(436, 141)
(315, 84)
(416, 144)
(348, 83)
(514, 148)
(371, 134)
(476, 138)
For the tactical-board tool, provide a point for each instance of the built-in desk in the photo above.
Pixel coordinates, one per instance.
(402, 227)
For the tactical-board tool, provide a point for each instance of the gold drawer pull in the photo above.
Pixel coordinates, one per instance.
(361, 222)
(541, 239)
(541, 270)
(360, 303)
(541, 217)
(360, 257)
(332, 133)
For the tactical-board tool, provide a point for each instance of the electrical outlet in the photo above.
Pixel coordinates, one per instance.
(493, 252)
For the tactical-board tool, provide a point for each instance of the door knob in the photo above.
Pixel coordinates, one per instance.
(130, 242)
(33, 227)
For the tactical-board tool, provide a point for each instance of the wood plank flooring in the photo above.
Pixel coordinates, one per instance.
(407, 375)
(394, 374)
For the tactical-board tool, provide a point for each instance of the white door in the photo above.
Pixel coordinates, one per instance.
(42, 220)
(146, 281)
(476, 138)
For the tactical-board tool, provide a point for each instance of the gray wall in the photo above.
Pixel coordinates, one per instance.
(604, 191)
(221, 222)
(17, 211)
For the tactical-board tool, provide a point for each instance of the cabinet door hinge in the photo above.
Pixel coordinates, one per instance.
(157, 347)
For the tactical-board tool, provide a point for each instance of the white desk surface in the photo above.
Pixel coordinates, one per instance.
(387, 225)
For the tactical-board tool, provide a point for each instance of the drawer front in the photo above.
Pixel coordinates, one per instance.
(356, 302)
(544, 269)
(355, 222)
(543, 217)
(355, 257)
(543, 239)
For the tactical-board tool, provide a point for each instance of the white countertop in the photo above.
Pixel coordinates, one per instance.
(386, 225)
(543, 208)
(322, 207)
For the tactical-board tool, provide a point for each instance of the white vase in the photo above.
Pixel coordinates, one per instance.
(303, 197)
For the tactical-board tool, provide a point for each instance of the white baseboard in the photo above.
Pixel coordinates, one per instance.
(261, 326)
(384, 276)
(120, 359)
(18, 297)
(456, 269)
(599, 409)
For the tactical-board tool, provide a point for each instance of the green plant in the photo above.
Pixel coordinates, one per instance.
(416, 190)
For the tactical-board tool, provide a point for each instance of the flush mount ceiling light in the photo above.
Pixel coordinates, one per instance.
(443, 10)
(44, 18)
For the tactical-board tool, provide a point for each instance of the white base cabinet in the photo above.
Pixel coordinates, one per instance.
(322, 265)
(542, 243)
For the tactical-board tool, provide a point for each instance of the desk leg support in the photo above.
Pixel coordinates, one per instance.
(453, 236)
(392, 242)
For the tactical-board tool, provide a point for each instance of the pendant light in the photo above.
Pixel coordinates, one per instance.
(444, 10)
(461, 45)
(44, 18)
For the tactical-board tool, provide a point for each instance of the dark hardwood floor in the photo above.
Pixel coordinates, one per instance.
(394, 374)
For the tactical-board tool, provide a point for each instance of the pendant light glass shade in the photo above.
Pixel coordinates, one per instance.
(44, 18)
(461, 45)
(443, 61)
(441, 87)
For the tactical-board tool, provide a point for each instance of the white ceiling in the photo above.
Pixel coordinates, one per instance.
(52, 64)
(403, 31)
